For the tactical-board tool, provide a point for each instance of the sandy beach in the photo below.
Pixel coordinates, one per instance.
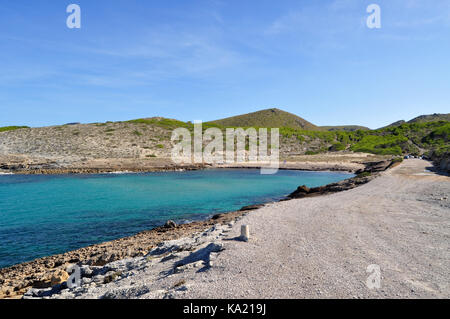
(317, 247)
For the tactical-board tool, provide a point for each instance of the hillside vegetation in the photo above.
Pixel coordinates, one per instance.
(413, 138)
(11, 128)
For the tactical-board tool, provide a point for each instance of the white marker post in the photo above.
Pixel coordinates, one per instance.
(245, 233)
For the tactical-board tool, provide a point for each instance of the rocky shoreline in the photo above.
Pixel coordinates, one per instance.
(56, 166)
(50, 271)
(19, 170)
(43, 170)
(23, 170)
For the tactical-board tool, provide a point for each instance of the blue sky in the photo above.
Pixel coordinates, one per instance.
(209, 59)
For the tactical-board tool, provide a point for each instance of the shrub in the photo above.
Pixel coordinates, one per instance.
(381, 145)
(438, 136)
(11, 128)
(337, 147)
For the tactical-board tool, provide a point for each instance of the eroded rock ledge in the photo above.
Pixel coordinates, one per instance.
(364, 176)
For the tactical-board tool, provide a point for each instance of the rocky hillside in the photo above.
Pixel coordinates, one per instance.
(62, 146)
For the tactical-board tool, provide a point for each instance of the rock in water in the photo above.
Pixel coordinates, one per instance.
(251, 207)
(217, 216)
(300, 192)
(170, 224)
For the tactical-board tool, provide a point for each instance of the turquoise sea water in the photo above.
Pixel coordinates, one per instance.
(45, 215)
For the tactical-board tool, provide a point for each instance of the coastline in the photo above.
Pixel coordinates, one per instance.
(94, 171)
(40, 273)
(98, 171)
(348, 162)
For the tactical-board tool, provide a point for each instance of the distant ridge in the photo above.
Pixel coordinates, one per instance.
(422, 119)
(347, 128)
(267, 118)
(431, 118)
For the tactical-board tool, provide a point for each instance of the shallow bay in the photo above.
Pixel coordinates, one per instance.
(44, 215)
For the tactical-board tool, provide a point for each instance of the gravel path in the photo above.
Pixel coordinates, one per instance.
(316, 247)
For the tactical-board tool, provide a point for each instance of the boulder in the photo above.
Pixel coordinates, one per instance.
(59, 277)
(6, 291)
(445, 165)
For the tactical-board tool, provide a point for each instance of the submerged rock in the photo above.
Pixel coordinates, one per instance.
(170, 224)
(251, 207)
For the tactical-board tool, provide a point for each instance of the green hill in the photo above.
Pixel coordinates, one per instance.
(269, 118)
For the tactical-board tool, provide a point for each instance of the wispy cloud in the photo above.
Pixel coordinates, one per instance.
(143, 59)
(170, 55)
(337, 16)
